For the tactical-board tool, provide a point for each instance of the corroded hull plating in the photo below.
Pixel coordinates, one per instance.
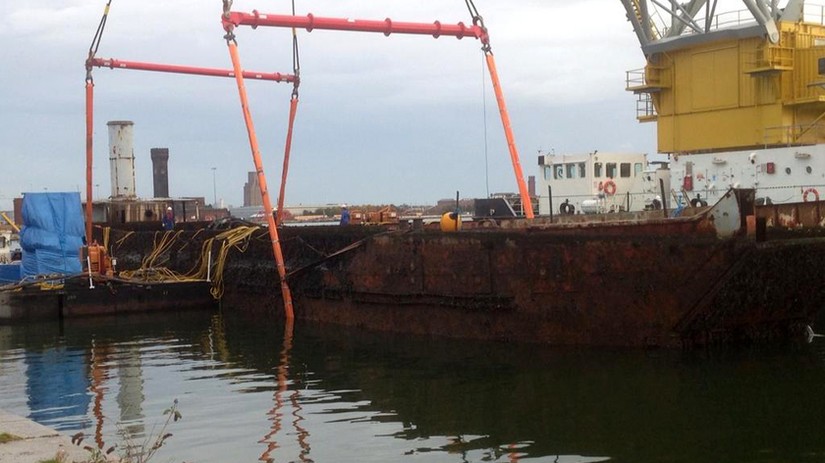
(516, 285)
(649, 281)
(654, 290)
(637, 283)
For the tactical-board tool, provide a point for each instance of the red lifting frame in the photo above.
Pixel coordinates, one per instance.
(176, 69)
(233, 19)
(119, 64)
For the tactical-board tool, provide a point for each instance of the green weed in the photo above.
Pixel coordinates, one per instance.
(6, 437)
(133, 452)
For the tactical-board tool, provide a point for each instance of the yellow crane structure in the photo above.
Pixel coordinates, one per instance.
(734, 81)
(10, 222)
(738, 97)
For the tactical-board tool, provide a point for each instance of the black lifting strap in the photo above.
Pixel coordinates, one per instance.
(479, 21)
(296, 61)
(96, 40)
(473, 12)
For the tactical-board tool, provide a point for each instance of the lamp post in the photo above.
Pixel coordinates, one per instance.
(214, 190)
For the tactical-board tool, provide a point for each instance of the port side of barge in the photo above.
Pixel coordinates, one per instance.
(645, 282)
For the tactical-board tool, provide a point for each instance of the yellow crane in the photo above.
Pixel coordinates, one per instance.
(10, 221)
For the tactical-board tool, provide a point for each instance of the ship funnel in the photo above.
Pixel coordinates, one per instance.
(122, 159)
(160, 171)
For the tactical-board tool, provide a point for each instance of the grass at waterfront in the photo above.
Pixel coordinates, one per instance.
(6, 437)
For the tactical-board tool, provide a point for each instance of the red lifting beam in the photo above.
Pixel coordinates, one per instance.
(386, 26)
(172, 68)
(286, 294)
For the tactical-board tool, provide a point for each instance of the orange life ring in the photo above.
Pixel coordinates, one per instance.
(809, 191)
(609, 188)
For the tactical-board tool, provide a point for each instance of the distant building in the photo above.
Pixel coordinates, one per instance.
(251, 191)
(147, 210)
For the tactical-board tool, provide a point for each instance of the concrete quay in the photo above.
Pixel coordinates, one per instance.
(35, 443)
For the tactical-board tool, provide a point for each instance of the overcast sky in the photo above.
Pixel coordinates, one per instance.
(399, 119)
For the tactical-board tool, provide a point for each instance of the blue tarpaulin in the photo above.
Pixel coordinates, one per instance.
(52, 234)
(9, 273)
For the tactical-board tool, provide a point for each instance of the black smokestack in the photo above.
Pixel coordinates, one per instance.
(531, 185)
(160, 172)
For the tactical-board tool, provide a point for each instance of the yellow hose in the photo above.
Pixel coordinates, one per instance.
(122, 240)
(236, 238)
(151, 270)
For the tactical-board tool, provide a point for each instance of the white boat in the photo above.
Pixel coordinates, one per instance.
(597, 182)
(9, 247)
(10, 256)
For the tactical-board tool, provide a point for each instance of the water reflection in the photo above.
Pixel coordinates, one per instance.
(255, 390)
(56, 385)
(276, 414)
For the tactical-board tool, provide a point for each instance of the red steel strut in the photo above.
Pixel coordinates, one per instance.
(256, 158)
(293, 108)
(90, 94)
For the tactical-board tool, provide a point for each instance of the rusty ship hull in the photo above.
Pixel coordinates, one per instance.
(627, 283)
(516, 285)
(647, 282)
(649, 289)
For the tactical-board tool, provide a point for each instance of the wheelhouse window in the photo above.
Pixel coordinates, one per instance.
(611, 169)
(597, 169)
(582, 172)
(571, 170)
(624, 169)
(558, 172)
(637, 169)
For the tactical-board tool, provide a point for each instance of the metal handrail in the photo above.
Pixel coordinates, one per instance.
(812, 13)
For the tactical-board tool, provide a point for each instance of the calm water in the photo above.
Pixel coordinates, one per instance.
(334, 395)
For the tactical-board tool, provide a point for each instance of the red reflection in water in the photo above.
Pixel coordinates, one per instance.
(99, 376)
(276, 413)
